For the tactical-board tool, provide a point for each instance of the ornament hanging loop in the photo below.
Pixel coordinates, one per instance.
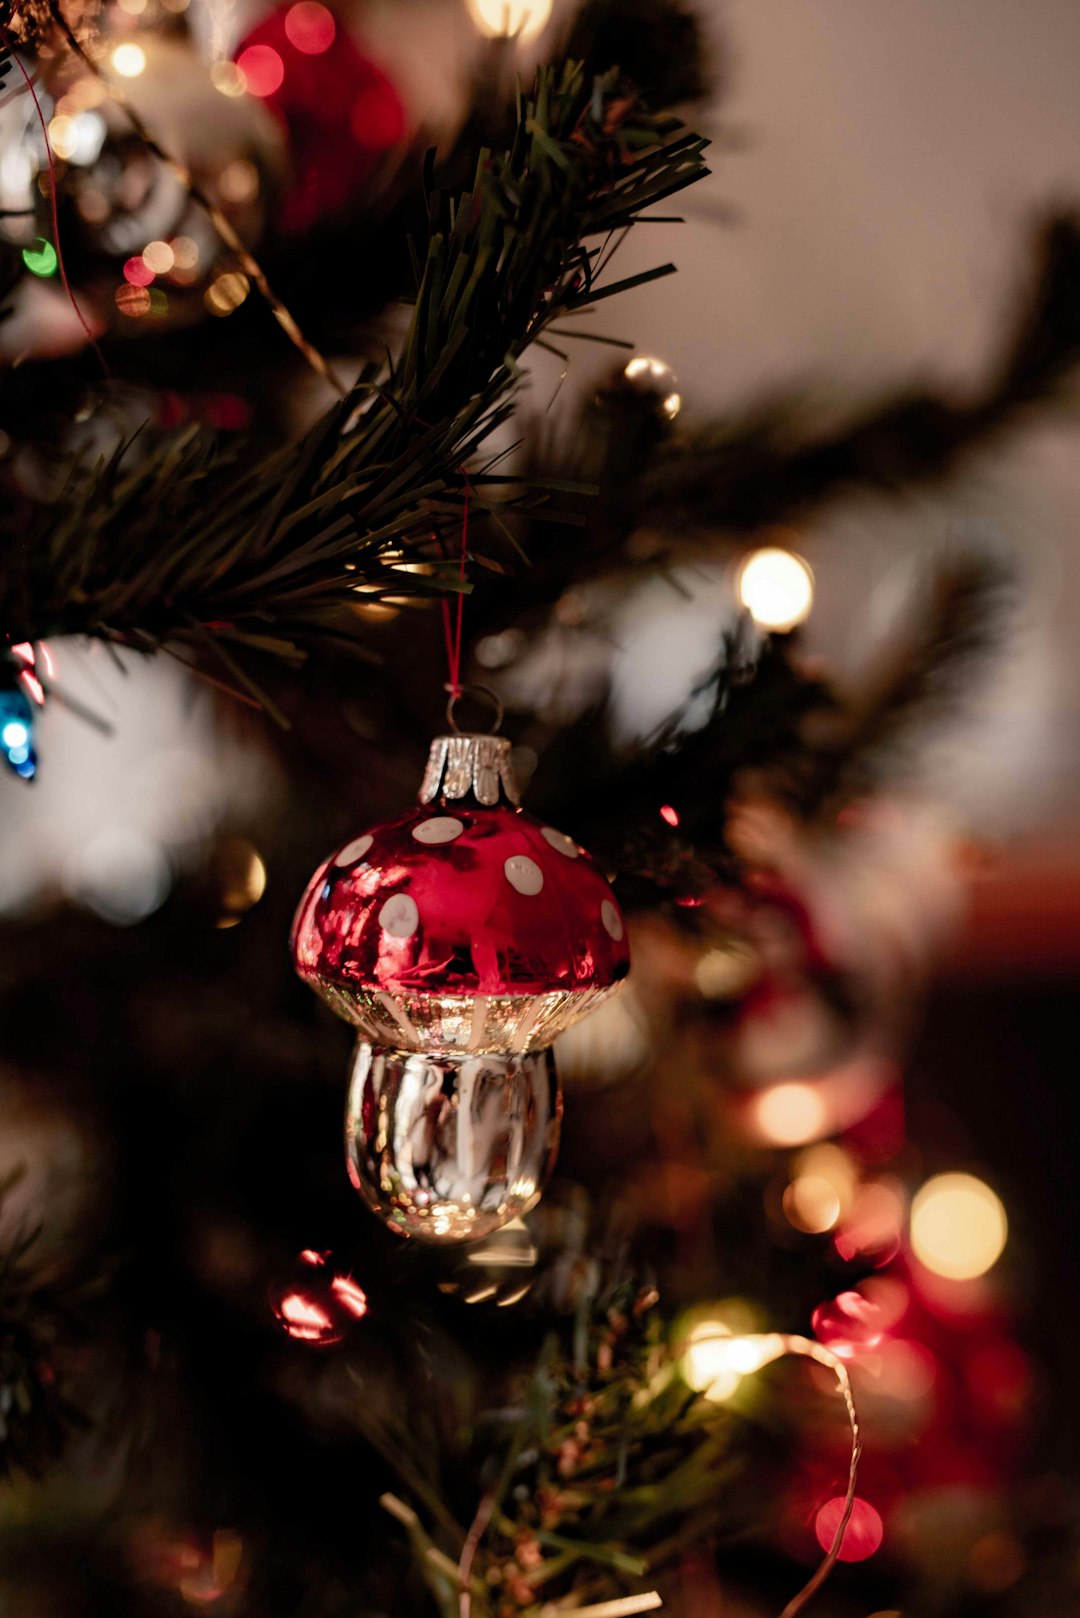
(483, 691)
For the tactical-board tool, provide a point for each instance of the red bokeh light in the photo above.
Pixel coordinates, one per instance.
(847, 1323)
(263, 69)
(310, 27)
(137, 272)
(669, 814)
(863, 1535)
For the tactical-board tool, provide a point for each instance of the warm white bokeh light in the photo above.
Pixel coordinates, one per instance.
(790, 1114)
(655, 373)
(159, 257)
(502, 19)
(706, 1365)
(822, 1189)
(716, 1360)
(958, 1226)
(776, 587)
(128, 60)
(811, 1204)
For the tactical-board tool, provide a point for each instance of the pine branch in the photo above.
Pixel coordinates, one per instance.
(757, 725)
(918, 680)
(609, 1465)
(744, 475)
(176, 537)
(611, 797)
(706, 486)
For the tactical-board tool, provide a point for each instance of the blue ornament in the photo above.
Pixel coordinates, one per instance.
(17, 734)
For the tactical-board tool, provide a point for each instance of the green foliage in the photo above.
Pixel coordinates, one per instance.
(610, 1466)
(176, 538)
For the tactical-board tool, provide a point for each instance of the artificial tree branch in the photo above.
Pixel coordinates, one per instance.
(175, 537)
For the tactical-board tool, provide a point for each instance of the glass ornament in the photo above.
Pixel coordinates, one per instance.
(498, 1271)
(460, 940)
(314, 1304)
(451, 1148)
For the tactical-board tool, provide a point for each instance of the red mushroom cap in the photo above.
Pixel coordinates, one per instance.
(462, 900)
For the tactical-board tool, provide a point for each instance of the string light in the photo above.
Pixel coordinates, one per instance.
(62, 135)
(790, 1114)
(226, 293)
(748, 1353)
(310, 27)
(821, 1190)
(958, 1227)
(504, 19)
(811, 1204)
(653, 373)
(77, 135)
(862, 1536)
(158, 257)
(706, 1366)
(262, 69)
(137, 272)
(133, 301)
(128, 60)
(776, 587)
(40, 260)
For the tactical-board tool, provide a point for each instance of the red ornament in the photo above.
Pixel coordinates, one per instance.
(460, 939)
(314, 1304)
(341, 114)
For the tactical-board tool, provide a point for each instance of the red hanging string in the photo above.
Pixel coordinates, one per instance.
(52, 198)
(452, 623)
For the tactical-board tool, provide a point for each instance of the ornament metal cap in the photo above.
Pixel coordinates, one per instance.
(470, 763)
(461, 766)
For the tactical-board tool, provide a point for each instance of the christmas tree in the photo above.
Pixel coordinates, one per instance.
(300, 472)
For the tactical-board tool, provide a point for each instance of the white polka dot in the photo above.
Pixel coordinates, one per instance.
(523, 874)
(354, 850)
(399, 916)
(613, 922)
(560, 842)
(443, 829)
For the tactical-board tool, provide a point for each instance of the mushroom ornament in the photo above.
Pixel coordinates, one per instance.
(459, 939)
